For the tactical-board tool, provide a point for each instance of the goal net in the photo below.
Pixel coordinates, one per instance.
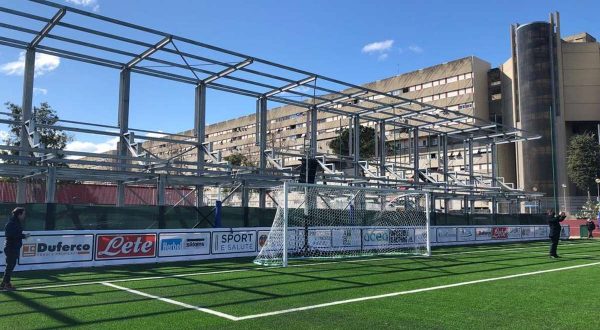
(324, 221)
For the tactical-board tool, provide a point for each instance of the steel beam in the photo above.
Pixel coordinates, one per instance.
(51, 185)
(123, 117)
(416, 155)
(382, 149)
(471, 172)
(27, 109)
(200, 131)
(55, 19)
(313, 132)
(356, 148)
(262, 143)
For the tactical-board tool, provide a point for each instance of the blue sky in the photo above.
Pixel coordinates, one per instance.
(355, 41)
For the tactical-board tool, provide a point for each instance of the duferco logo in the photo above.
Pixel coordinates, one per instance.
(125, 246)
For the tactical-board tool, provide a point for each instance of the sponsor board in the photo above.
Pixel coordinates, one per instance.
(319, 238)
(527, 232)
(402, 236)
(53, 249)
(465, 234)
(565, 232)
(234, 242)
(346, 237)
(124, 246)
(500, 233)
(263, 238)
(421, 235)
(183, 244)
(375, 237)
(514, 232)
(446, 234)
(483, 234)
(541, 231)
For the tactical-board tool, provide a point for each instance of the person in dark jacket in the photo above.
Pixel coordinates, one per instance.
(555, 228)
(14, 236)
(590, 227)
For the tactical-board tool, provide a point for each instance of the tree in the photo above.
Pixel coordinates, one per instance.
(44, 114)
(583, 160)
(238, 159)
(340, 146)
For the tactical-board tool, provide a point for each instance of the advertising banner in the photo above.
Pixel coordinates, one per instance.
(183, 244)
(541, 232)
(234, 242)
(125, 246)
(500, 233)
(402, 236)
(346, 237)
(319, 238)
(483, 234)
(514, 232)
(527, 232)
(446, 234)
(466, 234)
(53, 249)
(421, 235)
(376, 237)
(263, 236)
(565, 232)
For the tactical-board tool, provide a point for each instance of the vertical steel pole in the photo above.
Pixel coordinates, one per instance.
(427, 225)
(313, 133)
(262, 110)
(124, 91)
(200, 131)
(285, 224)
(27, 108)
(356, 145)
(416, 155)
(382, 149)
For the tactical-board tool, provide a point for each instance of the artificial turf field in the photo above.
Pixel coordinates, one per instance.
(508, 286)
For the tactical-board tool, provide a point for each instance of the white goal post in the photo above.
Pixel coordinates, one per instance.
(331, 221)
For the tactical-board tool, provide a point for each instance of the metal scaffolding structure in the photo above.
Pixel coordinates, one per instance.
(104, 41)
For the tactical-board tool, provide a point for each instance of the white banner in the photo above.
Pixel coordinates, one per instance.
(234, 242)
(446, 234)
(541, 232)
(184, 244)
(514, 232)
(263, 236)
(347, 237)
(52, 249)
(421, 235)
(376, 237)
(527, 232)
(466, 234)
(319, 238)
(483, 234)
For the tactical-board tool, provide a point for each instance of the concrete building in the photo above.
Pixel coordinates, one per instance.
(551, 86)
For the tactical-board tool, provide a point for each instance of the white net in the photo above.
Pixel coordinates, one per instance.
(337, 221)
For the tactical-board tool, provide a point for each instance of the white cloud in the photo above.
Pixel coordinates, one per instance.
(85, 146)
(86, 3)
(43, 63)
(379, 46)
(3, 135)
(415, 49)
(41, 91)
(382, 57)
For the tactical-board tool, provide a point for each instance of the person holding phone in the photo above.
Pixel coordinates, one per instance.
(14, 236)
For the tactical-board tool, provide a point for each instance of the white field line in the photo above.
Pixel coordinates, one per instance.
(170, 301)
(132, 279)
(393, 294)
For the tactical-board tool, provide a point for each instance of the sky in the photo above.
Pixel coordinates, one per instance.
(351, 40)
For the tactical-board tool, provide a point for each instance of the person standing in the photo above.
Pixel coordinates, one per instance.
(14, 236)
(590, 227)
(555, 228)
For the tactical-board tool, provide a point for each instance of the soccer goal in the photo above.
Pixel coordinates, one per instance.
(326, 221)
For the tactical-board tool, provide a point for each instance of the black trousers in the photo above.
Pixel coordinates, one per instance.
(11, 261)
(554, 244)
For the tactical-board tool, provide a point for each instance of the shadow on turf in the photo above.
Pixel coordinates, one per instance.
(40, 308)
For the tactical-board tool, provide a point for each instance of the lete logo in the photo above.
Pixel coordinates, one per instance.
(125, 246)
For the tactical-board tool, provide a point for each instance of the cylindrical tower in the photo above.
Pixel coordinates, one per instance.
(535, 68)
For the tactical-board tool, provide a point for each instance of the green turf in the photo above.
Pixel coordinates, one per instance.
(565, 299)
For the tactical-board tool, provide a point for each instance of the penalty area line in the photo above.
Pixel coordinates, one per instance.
(173, 302)
(393, 294)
